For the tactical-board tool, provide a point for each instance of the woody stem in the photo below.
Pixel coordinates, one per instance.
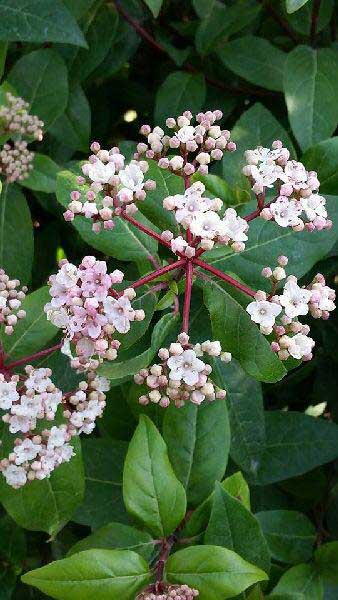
(158, 273)
(225, 277)
(145, 229)
(26, 359)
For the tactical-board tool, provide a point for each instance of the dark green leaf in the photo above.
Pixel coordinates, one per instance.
(180, 91)
(290, 535)
(167, 184)
(326, 560)
(3, 55)
(299, 583)
(12, 542)
(73, 127)
(323, 158)
(16, 259)
(151, 492)
(43, 176)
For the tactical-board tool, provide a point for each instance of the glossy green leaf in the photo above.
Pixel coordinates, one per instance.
(117, 536)
(246, 56)
(301, 20)
(43, 176)
(311, 102)
(198, 440)
(299, 583)
(105, 574)
(290, 535)
(38, 21)
(216, 572)
(323, 157)
(154, 6)
(180, 91)
(16, 259)
(232, 526)
(152, 493)
(41, 78)
(72, 128)
(326, 560)
(232, 325)
(293, 5)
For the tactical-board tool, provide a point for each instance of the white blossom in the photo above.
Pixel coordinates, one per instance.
(186, 367)
(132, 177)
(264, 312)
(8, 393)
(295, 299)
(286, 212)
(234, 226)
(98, 171)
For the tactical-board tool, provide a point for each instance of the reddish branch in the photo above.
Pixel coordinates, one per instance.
(27, 359)
(225, 277)
(189, 269)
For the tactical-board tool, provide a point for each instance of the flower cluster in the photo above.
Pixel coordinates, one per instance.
(38, 453)
(178, 592)
(10, 302)
(83, 308)
(200, 215)
(291, 336)
(298, 204)
(114, 188)
(181, 376)
(15, 119)
(198, 140)
(16, 161)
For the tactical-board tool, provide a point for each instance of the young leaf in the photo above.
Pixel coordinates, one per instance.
(216, 572)
(299, 583)
(100, 573)
(152, 494)
(41, 78)
(43, 176)
(119, 536)
(232, 325)
(154, 6)
(198, 440)
(311, 102)
(290, 535)
(326, 561)
(191, 96)
(232, 526)
(246, 56)
(16, 259)
(38, 21)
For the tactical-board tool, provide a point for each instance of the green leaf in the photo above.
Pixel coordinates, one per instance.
(72, 128)
(233, 327)
(326, 561)
(154, 6)
(38, 21)
(311, 102)
(180, 91)
(119, 536)
(324, 158)
(167, 184)
(232, 526)
(13, 548)
(124, 242)
(301, 20)
(43, 176)
(295, 444)
(16, 259)
(293, 5)
(217, 573)
(34, 332)
(290, 535)
(3, 56)
(41, 78)
(152, 494)
(246, 56)
(246, 414)
(103, 463)
(46, 505)
(104, 574)
(118, 421)
(126, 368)
(198, 441)
(299, 583)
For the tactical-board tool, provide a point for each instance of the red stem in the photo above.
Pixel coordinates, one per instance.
(145, 229)
(189, 269)
(224, 277)
(26, 359)
(155, 274)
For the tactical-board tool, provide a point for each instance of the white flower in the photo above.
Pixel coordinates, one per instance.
(132, 177)
(185, 366)
(234, 226)
(178, 244)
(186, 134)
(295, 299)
(38, 380)
(119, 313)
(15, 476)
(300, 345)
(206, 225)
(8, 394)
(67, 276)
(296, 174)
(99, 171)
(101, 384)
(286, 212)
(27, 450)
(57, 437)
(20, 423)
(190, 205)
(264, 312)
(265, 174)
(59, 317)
(314, 206)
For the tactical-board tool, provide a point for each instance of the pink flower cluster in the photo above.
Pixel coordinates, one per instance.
(199, 141)
(291, 338)
(113, 188)
(83, 308)
(298, 203)
(181, 376)
(173, 592)
(15, 119)
(11, 297)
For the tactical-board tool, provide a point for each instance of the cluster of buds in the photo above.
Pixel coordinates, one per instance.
(182, 376)
(16, 120)
(172, 592)
(113, 188)
(38, 453)
(84, 308)
(11, 297)
(200, 215)
(298, 204)
(291, 336)
(198, 140)
(16, 161)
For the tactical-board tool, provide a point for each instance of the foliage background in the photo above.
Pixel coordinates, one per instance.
(97, 71)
